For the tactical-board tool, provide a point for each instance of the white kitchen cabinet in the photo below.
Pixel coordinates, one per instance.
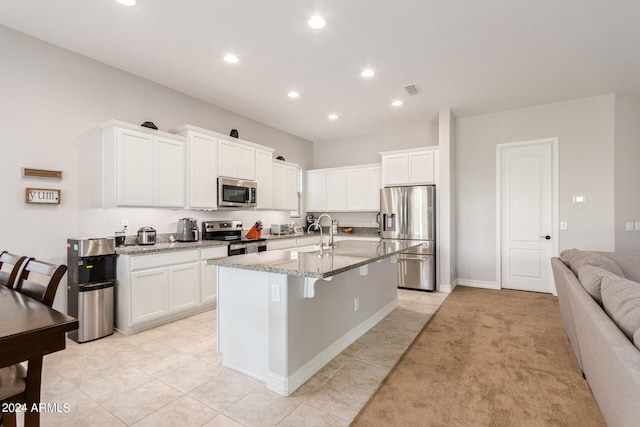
(153, 289)
(345, 189)
(264, 179)
(142, 167)
(409, 167)
(316, 190)
(373, 185)
(236, 160)
(356, 189)
(209, 273)
(285, 185)
(273, 244)
(202, 167)
(337, 191)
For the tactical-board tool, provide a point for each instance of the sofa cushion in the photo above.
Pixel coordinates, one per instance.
(575, 259)
(621, 301)
(591, 279)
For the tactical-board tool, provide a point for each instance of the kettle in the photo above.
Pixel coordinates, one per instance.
(187, 230)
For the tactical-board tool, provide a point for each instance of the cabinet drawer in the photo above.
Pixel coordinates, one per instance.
(212, 253)
(139, 262)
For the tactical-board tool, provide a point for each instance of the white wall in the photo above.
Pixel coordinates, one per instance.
(585, 129)
(627, 172)
(51, 105)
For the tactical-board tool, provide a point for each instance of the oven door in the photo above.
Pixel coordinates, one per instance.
(236, 193)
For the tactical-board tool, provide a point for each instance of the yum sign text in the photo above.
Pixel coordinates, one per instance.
(47, 196)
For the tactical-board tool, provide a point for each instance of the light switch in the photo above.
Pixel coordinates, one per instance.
(579, 198)
(630, 226)
(637, 225)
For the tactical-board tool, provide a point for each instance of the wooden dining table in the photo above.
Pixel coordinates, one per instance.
(28, 331)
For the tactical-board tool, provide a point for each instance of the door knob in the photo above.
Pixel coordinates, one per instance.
(547, 237)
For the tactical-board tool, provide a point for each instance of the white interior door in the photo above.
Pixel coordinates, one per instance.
(527, 220)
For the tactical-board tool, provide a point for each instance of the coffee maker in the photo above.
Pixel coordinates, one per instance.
(310, 220)
(187, 230)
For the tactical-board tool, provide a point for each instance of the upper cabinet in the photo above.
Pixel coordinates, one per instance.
(142, 167)
(285, 185)
(202, 167)
(410, 167)
(348, 189)
(236, 160)
(264, 178)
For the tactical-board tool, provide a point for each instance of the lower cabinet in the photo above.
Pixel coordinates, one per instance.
(153, 289)
(209, 274)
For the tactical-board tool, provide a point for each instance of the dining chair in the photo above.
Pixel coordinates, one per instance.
(10, 266)
(38, 280)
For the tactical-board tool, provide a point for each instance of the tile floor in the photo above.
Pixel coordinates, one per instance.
(171, 375)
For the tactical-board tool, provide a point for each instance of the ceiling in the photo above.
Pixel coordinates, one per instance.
(472, 56)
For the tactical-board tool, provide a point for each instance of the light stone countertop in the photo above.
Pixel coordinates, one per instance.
(308, 262)
(168, 246)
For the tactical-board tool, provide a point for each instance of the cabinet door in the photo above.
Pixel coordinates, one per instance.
(278, 182)
(149, 291)
(203, 173)
(134, 170)
(336, 191)
(246, 163)
(184, 286)
(374, 182)
(356, 189)
(208, 282)
(421, 170)
(316, 191)
(227, 159)
(395, 169)
(290, 187)
(169, 173)
(264, 178)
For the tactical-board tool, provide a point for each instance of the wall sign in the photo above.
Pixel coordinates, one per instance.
(41, 173)
(42, 196)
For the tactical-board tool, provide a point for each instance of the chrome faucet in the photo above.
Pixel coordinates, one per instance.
(330, 244)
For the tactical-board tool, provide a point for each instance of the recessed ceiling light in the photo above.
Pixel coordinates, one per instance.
(293, 94)
(367, 73)
(231, 59)
(396, 103)
(317, 22)
(127, 2)
(333, 116)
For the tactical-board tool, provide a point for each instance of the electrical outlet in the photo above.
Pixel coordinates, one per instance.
(275, 293)
(563, 225)
(356, 304)
(637, 225)
(125, 223)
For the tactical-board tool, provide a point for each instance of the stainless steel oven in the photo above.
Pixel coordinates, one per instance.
(235, 193)
(231, 231)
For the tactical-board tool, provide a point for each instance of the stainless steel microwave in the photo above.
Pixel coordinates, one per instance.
(235, 193)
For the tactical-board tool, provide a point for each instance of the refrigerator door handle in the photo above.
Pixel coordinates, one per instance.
(389, 222)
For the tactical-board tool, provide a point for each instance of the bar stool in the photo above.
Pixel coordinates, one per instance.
(38, 280)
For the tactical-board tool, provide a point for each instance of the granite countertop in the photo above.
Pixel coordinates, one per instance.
(168, 246)
(346, 255)
(356, 233)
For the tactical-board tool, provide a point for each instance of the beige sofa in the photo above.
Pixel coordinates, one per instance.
(599, 298)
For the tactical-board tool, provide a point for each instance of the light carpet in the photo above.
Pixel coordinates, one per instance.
(487, 358)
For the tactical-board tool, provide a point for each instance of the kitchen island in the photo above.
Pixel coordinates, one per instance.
(284, 314)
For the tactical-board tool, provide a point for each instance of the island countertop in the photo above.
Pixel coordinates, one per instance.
(310, 262)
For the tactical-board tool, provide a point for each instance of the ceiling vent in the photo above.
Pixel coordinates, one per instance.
(412, 89)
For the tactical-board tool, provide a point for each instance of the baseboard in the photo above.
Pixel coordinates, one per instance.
(447, 288)
(284, 386)
(477, 284)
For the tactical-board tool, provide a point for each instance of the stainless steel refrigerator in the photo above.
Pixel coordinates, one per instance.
(409, 213)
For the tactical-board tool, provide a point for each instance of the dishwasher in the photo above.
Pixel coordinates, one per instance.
(90, 287)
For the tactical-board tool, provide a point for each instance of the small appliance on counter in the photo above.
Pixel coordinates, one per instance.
(187, 230)
(310, 220)
(146, 236)
(279, 229)
(297, 229)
